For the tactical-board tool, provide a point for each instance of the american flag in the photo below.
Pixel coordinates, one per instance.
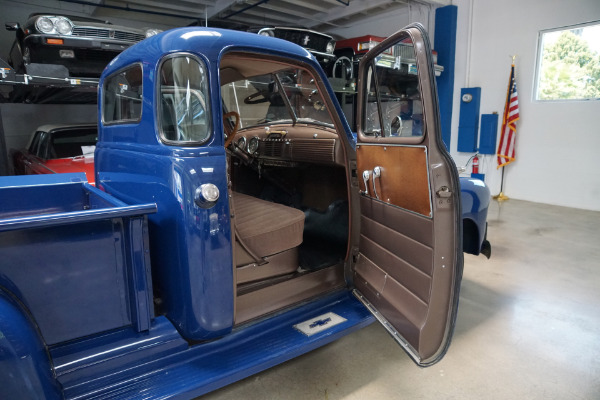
(506, 148)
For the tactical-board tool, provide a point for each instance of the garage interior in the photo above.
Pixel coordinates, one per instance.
(528, 324)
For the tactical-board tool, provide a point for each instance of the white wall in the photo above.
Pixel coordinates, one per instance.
(558, 144)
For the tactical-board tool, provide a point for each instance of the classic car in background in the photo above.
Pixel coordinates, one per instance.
(321, 45)
(69, 46)
(56, 149)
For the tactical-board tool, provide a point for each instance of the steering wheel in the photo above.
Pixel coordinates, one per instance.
(230, 132)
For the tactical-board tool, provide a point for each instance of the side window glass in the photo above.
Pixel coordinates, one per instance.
(122, 99)
(372, 119)
(35, 143)
(43, 147)
(183, 103)
(394, 107)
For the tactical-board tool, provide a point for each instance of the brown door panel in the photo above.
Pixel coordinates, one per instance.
(396, 271)
(409, 264)
(403, 181)
(410, 330)
(395, 265)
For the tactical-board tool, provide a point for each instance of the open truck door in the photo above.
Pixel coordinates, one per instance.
(409, 264)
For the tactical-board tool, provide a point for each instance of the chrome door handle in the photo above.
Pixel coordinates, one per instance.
(376, 174)
(366, 175)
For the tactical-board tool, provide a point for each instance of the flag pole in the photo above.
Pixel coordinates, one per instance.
(501, 196)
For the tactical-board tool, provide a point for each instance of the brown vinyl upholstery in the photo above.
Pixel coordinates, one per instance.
(266, 229)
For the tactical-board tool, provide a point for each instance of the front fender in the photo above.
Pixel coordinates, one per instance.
(475, 198)
(25, 367)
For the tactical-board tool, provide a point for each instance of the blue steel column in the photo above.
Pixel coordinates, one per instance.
(445, 45)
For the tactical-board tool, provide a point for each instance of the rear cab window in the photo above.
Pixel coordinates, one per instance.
(122, 96)
(183, 106)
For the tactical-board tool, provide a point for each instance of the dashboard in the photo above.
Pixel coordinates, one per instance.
(286, 145)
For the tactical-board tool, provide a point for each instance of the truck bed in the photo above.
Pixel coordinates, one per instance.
(75, 257)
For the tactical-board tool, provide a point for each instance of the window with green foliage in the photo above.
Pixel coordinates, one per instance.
(569, 63)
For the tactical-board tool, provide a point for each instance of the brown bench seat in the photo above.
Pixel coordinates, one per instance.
(267, 238)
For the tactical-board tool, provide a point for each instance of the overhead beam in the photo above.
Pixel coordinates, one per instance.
(254, 21)
(219, 6)
(289, 20)
(196, 2)
(355, 7)
(294, 12)
(307, 4)
(285, 10)
(169, 8)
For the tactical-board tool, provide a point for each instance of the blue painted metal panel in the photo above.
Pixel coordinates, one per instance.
(26, 368)
(192, 257)
(489, 131)
(195, 275)
(468, 124)
(475, 198)
(87, 359)
(445, 45)
(77, 272)
(207, 366)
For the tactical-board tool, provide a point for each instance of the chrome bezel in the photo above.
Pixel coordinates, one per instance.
(54, 20)
(266, 32)
(241, 142)
(38, 22)
(63, 19)
(253, 145)
(152, 32)
(330, 48)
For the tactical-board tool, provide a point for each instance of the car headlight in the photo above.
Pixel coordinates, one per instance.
(63, 26)
(44, 25)
(152, 32)
(266, 32)
(330, 47)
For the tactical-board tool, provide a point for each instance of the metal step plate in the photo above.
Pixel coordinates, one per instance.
(319, 324)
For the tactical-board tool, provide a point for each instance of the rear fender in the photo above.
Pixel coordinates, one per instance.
(25, 368)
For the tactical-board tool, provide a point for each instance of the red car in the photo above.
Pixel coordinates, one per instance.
(55, 149)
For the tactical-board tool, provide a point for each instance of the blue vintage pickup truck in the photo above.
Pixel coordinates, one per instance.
(235, 223)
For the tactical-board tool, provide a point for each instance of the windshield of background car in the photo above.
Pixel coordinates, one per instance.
(183, 106)
(289, 95)
(73, 143)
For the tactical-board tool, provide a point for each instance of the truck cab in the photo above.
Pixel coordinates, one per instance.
(274, 227)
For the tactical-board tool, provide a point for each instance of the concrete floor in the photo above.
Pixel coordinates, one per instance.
(528, 326)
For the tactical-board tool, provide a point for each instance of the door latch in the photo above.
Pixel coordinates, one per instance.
(444, 192)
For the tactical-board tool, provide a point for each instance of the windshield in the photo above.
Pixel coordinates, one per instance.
(287, 96)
